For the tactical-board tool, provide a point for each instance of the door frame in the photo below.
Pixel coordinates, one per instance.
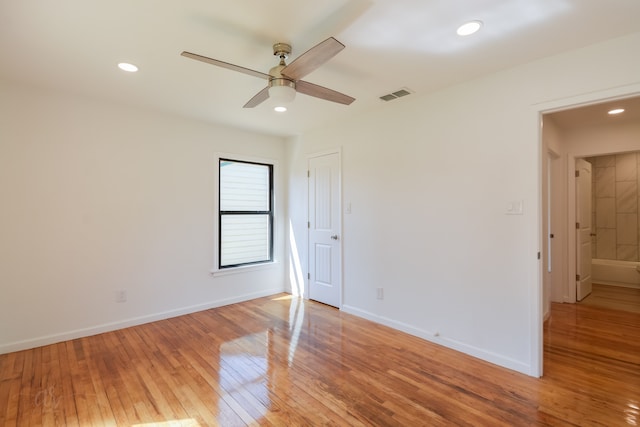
(572, 235)
(338, 151)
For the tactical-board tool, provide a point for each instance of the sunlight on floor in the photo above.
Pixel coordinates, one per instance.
(187, 422)
(296, 315)
(632, 413)
(295, 267)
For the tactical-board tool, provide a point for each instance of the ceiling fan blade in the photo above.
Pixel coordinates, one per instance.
(225, 65)
(312, 59)
(323, 93)
(258, 98)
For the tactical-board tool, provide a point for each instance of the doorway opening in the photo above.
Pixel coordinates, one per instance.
(568, 136)
(603, 141)
(615, 255)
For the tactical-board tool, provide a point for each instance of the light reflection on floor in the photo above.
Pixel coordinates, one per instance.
(187, 422)
(633, 413)
(244, 370)
(246, 362)
(296, 316)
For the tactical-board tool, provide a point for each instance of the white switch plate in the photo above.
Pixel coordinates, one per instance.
(348, 208)
(515, 207)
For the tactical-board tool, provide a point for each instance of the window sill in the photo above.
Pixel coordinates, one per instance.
(244, 269)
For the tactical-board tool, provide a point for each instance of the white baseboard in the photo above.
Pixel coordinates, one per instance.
(126, 323)
(479, 353)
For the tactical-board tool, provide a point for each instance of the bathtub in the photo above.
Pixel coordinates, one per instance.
(616, 273)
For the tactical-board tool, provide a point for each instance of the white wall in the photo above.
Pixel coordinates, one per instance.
(96, 198)
(429, 179)
(589, 141)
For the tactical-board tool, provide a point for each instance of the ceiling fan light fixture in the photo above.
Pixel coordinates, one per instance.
(469, 28)
(280, 109)
(282, 91)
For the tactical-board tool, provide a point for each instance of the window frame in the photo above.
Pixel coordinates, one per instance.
(269, 213)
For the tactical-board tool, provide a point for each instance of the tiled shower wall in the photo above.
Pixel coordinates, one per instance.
(615, 193)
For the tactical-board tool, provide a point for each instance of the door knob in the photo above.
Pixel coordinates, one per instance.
(334, 237)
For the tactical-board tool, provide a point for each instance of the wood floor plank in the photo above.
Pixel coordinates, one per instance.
(614, 297)
(281, 361)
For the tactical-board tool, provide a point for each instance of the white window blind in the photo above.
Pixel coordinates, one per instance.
(245, 213)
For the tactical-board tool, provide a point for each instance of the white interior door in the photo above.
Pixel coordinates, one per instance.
(325, 246)
(583, 226)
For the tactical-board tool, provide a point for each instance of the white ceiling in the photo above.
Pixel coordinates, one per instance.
(597, 114)
(74, 45)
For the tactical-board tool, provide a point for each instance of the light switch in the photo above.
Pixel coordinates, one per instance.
(348, 208)
(515, 207)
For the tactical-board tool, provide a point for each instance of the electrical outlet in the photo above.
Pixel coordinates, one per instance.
(380, 293)
(121, 296)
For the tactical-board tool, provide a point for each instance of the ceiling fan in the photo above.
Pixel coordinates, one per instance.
(284, 80)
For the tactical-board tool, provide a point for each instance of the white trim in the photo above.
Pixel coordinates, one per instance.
(134, 321)
(536, 289)
(244, 268)
(439, 339)
(582, 100)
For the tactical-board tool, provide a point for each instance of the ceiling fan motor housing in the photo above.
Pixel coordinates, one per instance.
(281, 81)
(282, 50)
(276, 78)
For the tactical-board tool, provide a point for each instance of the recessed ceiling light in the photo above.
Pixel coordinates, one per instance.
(469, 28)
(280, 109)
(127, 67)
(616, 111)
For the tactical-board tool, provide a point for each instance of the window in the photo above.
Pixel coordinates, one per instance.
(245, 217)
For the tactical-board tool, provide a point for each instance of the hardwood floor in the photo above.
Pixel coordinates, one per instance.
(283, 361)
(614, 297)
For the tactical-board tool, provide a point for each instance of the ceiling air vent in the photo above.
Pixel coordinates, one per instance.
(397, 94)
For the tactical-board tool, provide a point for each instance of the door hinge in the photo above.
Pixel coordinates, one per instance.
(309, 276)
(577, 277)
(538, 255)
(308, 224)
(577, 174)
(308, 174)
(577, 226)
